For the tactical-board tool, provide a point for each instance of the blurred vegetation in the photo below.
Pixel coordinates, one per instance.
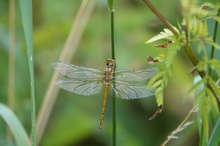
(75, 119)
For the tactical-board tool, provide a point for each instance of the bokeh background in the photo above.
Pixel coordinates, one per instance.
(74, 120)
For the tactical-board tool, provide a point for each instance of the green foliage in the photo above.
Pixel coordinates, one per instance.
(194, 30)
(78, 115)
(160, 81)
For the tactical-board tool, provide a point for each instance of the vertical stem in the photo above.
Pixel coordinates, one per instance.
(112, 34)
(114, 99)
(112, 11)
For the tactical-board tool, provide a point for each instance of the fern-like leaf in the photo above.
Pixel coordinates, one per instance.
(171, 53)
(166, 34)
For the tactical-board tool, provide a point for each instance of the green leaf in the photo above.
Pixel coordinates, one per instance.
(215, 138)
(171, 53)
(159, 96)
(166, 34)
(205, 123)
(208, 4)
(157, 84)
(214, 87)
(215, 65)
(26, 16)
(156, 77)
(12, 121)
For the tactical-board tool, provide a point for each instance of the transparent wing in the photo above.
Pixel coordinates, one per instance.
(81, 87)
(132, 84)
(127, 90)
(73, 71)
(136, 75)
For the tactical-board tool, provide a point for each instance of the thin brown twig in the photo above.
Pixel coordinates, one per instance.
(180, 125)
(161, 17)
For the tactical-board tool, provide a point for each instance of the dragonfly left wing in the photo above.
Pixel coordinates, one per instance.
(80, 80)
(77, 72)
(81, 87)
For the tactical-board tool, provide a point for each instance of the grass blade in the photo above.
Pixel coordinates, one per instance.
(17, 130)
(26, 15)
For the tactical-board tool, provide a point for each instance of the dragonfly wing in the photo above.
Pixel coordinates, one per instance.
(81, 87)
(77, 72)
(136, 75)
(131, 91)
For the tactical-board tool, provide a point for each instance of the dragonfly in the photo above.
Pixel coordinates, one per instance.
(125, 84)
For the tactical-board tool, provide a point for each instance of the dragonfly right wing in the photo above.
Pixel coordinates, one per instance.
(83, 87)
(132, 84)
(136, 75)
(126, 90)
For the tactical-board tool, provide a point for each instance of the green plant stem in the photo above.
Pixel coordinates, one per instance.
(112, 11)
(112, 35)
(113, 99)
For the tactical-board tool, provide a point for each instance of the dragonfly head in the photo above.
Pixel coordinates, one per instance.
(110, 63)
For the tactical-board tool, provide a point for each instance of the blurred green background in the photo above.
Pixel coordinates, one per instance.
(75, 119)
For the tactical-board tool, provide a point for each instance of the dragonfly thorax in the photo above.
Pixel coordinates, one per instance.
(107, 78)
(108, 71)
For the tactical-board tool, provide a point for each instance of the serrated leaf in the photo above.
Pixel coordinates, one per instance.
(156, 77)
(208, 4)
(156, 84)
(159, 96)
(166, 34)
(171, 53)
